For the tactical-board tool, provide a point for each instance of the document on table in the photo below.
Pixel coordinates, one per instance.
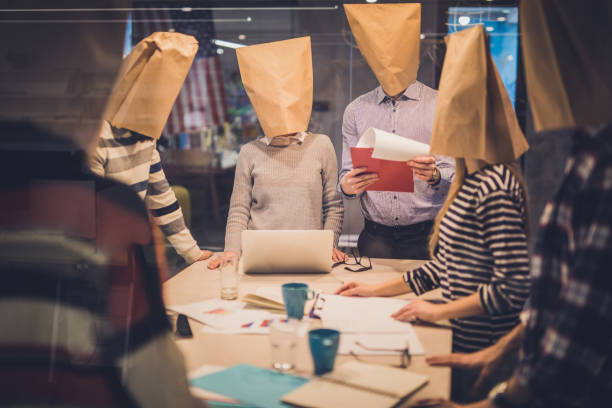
(366, 323)
(362, 315)
(389, 146)
(229, 317)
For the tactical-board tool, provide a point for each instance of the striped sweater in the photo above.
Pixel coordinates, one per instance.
(482, 249)
(132, 159)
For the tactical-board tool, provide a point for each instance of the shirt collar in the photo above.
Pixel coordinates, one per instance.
(300, 136)
(413, 92)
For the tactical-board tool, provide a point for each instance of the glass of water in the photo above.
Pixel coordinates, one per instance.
(283, 344)
(229, 276)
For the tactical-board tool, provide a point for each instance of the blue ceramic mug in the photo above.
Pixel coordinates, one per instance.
(323, 347)
(294, 297)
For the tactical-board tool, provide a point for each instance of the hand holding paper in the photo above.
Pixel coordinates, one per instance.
(389, 146)
(358, 180)
(423, 167)
(386, 155)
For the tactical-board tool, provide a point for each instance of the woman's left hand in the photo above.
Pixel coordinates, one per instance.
(338, 255)
(419, 309)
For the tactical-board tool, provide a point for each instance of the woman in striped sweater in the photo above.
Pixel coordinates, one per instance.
(479, 244)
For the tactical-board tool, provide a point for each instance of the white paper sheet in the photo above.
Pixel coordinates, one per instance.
(271, 292)
(206, 311)
(362, 315)
(389, 146)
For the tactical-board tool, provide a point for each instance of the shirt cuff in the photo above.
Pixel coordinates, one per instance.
(446, 173)
(192, 255)
(349, 196)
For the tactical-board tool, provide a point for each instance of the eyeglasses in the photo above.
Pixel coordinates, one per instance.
(405, 358)
(356, 261)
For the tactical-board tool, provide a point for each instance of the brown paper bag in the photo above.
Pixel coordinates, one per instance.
(150, 79)
(388, 36)
(474, 119)
(568, 62)
(277, 76)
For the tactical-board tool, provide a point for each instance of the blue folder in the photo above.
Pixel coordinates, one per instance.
(255, 386)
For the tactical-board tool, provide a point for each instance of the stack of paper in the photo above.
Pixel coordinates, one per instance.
(268, 298)
(367, 326)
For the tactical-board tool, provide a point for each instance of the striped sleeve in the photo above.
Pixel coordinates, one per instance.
(424, 278)
(164, 207)
(499, 212)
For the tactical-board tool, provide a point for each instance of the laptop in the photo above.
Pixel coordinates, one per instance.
(287, 251)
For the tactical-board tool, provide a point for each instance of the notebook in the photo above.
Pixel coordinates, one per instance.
(268, 298)
(253, 386)
(355, 384)
(287, 251)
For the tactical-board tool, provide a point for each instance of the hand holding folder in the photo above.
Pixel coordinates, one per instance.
(386, 154)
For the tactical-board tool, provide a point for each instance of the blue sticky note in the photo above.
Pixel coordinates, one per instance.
(252, 385)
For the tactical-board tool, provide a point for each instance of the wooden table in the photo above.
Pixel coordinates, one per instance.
(196, 283)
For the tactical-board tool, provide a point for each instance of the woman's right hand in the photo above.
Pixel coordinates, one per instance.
(356, 289)
(216, 261)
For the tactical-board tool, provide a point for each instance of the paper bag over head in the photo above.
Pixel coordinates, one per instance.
(149, 81)
(388, 36)
(568, 63)
(474, 119)
(277, 77)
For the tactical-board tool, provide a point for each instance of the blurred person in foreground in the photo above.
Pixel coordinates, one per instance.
(288, 178)
(479, 241)
(83, 320)
(150, 80)
(566, 352)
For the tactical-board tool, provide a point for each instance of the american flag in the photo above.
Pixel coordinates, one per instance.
(201, 102)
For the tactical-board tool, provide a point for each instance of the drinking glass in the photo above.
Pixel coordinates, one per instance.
(229, 276)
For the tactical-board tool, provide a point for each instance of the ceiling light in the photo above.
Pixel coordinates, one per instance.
(241, 37)
(464, 20)
(489, 29)
(227, 44)
(501, 18)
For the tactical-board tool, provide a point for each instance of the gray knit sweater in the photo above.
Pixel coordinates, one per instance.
(289, 187)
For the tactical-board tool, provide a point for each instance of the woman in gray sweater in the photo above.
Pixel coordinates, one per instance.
(287, 179)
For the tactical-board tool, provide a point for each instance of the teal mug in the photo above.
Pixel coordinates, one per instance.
(323, 348)
(294, 297)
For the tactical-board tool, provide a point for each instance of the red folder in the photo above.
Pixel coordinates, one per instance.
(394, 175)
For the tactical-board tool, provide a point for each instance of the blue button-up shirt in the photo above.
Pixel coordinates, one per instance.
(410, 116)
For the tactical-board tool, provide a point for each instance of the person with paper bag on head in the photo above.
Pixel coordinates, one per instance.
(565, 334)
(288, 178)
(397, 225)
(149, 82)
(479, 243)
